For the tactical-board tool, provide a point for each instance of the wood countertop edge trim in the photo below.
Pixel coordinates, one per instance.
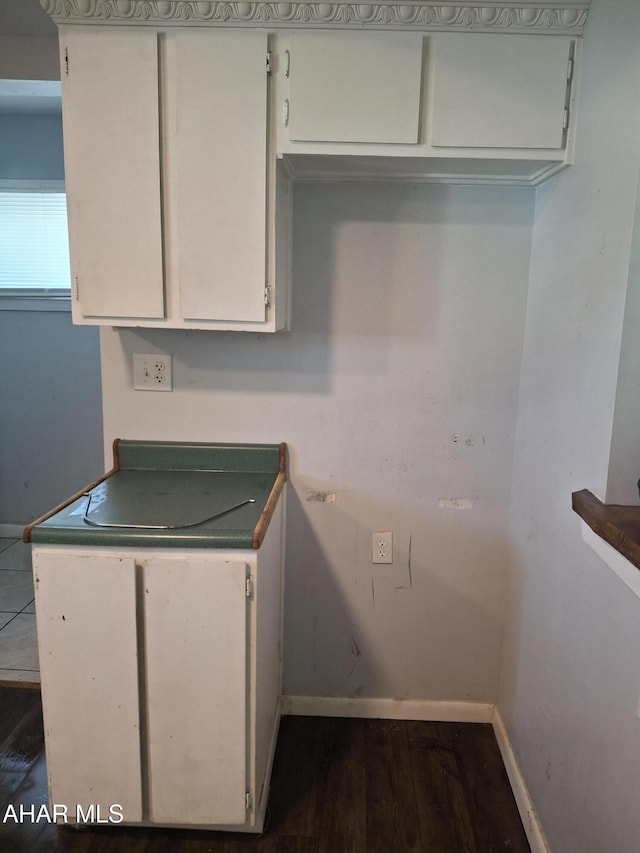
(26, 533)
(269, 507)
(592, 511)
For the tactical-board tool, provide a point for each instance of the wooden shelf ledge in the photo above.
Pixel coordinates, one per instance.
(617, 525)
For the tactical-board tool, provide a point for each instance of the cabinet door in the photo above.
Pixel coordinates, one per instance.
(495, 91)
(86, 612)
(196, 658)
(355, 87)
(112, 169)
(221, 104)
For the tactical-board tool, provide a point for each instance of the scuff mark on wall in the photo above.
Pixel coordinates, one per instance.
(320, 497)
(409, 564)
(470, 441)
(455, 503)
(373, 593)
(603, 245)
(355, 651)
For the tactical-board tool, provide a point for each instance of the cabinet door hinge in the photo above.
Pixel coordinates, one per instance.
(248, 588)
(267, 295)
(248, 800)
(76, 289)
(66, 61)
(285, 112)
(565, 118)
(570, 70)
(269, 67)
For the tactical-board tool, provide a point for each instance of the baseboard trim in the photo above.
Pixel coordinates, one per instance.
(387, 709)
(11, 531)
(528, 815)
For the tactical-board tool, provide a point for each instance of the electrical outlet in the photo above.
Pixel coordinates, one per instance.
(382, 547)
(152, 372)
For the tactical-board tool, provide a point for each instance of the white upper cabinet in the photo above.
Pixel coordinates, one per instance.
(354, 87)
(183, 132)
(172, 187)
(448, 107)
(112, 172)
(495, 92)
(221, 174)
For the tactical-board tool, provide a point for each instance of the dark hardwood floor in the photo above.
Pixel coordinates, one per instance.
(338, 786)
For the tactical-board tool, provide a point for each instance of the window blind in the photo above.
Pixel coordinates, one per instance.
(34, 245)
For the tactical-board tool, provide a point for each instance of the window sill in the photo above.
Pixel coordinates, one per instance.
(35, 303)
(614, 534)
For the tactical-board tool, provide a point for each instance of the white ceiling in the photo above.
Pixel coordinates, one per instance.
(27, 18)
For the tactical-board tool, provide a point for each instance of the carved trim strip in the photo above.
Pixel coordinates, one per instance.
(566, 18)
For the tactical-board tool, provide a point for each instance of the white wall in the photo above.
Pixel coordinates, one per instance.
(571, 674)
(396, 388)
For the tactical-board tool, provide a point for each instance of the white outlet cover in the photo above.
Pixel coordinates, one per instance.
(381, 547)
(152, 371)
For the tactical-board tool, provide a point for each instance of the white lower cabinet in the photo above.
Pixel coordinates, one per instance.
(89, 658)
(161, 680)
(195, 634)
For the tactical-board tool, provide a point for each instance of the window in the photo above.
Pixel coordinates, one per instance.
(34, 245)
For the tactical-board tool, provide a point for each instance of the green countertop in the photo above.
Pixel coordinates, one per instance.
(169, 494)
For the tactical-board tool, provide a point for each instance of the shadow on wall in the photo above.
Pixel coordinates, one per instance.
(369, 266)
(353, 278)
(427, 627)
(323, 637)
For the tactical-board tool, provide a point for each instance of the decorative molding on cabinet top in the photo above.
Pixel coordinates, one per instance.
(562, 18)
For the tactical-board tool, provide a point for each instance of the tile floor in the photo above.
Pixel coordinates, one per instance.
(18, 644)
